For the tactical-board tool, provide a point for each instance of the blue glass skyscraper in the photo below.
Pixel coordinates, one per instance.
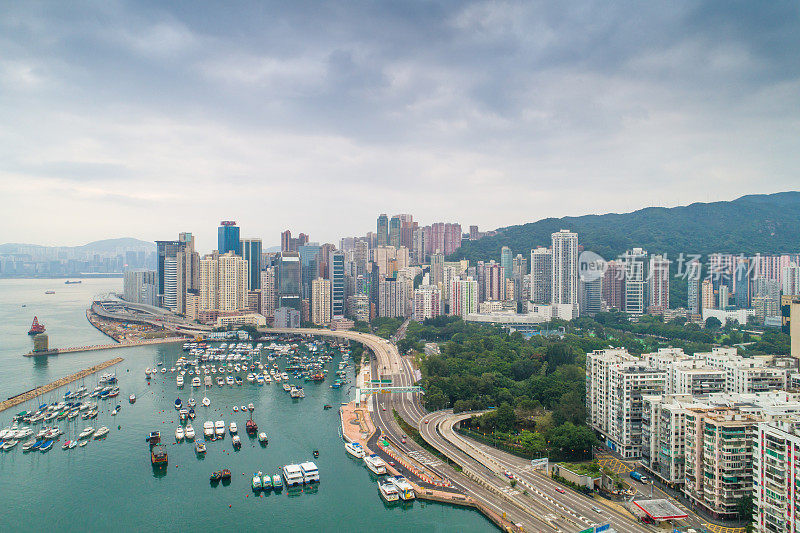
(228, 238)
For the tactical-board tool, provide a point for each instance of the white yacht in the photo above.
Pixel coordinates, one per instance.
(208, 428)
(102, 432)
(355, 449)
(310, 472)
(388, 491)
(404, 489)
(293, 475)
(206, 401)
(86, 433)
(375, 464)
(179, 381)
(195, 382)
(219, 428)
(189, 432)
(233, 429)
(179, 433)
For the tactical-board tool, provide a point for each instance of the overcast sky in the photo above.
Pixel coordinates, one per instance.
(144, 119)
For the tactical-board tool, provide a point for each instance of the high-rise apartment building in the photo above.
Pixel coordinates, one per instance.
(141, 287)
(742, 282)
(251, 252)
(658, 284)
(383, 230)
(541, 276)
(565, 269)
(694, 293)
(463, 296)
(321, 301)
(614, 285)
(394, 231)
(391, 298)
(291, 244)
(437, 268)
(269, 292)
(776, 476)
(427, 302)
(223, 283)
(494, 282)
(635, 262)
(790, 280)
(707, 291)
(228, 238)
(177, 271)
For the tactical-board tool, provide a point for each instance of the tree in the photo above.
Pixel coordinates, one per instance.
(506, 419)
(744, 506)
(713, 323)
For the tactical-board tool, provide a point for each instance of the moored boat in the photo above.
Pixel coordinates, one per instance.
(100, 433)
(375, 464)
(388, 491)
(355, 449)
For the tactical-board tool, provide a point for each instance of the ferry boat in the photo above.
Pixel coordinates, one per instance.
(404, 489)
(388, 491)
(293, 475)
(36, 327)
(310, 472)
(375, 464)
(355, 449)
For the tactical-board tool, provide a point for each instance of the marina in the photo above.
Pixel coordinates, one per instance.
(293, 429)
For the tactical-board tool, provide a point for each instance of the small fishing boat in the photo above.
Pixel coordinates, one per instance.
(316, 453)
(256, 481)
(250, 407)
(237, 442)
(235, 408)
(250, 426)
(262, 438)
(26, 446)
(100, 433)
(7, 445)
(277, 482)
(83, 443)
(326, 406)
(206, 401)
(132, 398)
(226, 474)
(179, 433)
(178, 403)
(200, 447)
(45, 447)
(153, 438)
(233, 428)
(216, 476)
(191, 402)
(266, 482)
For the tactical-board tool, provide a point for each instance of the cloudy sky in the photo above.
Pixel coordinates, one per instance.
(144, 119)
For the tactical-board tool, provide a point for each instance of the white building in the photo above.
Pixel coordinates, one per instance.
(565, 269)
(223, 283)
(321, 301)
(427, 302)
(463, 297)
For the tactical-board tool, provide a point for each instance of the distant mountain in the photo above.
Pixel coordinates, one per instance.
(765, 223)
(98, 247)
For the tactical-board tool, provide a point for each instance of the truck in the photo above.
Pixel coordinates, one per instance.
(639, 477)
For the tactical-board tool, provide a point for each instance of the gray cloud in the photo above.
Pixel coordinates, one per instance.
(299, 114)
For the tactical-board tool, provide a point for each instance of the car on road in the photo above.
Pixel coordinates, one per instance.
(508, 474)
(560, 490)
(403, 440)
(391, 463)
(383, 408)
(596, 510)
(426, 421)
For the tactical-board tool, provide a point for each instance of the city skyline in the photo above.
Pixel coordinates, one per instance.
(158, 116)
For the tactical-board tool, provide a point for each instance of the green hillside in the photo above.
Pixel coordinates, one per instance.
(768, 223)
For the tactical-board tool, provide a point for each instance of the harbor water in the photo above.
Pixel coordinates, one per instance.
(110, 485)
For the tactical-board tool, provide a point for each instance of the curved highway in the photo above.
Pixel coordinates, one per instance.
(535, 503)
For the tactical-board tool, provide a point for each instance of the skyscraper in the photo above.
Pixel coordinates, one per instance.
(505, 261)
(463, 296)
(269, 292)
(383, 230)
(177, 271)
(336, 275)
(391, 298)
(394, 231)
(635, 281)
(228, 238)
(707, 291)
(290, 244)
(437, 268)
(321, 301)
(289, 280)
(614, 285)
(223, 283)
(309, 266)
(693, 293)
(541, 276)
(251, 252)
(494, 282)
(742, 283)
(565, 269)
(659, 284)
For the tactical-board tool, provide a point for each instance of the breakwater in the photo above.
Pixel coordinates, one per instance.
(38, 391)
